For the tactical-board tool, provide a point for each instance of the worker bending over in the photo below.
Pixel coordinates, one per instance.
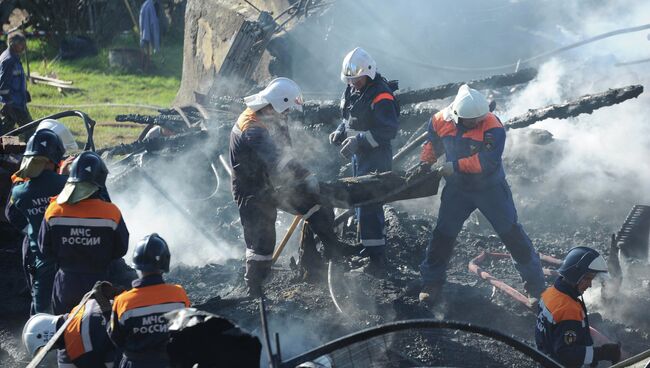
(85, 342)
(267, 176)
(562, 329)
(472, 140)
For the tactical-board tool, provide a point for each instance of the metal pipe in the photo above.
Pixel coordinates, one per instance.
(226, 165)
(285, 239)
(474, 267)
(265, 331)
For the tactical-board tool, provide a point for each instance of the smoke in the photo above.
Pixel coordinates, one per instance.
(601, 169)
(196, 207)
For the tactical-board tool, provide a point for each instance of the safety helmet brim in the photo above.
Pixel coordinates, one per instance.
(32, 166)
(62, 131)
(74, 192)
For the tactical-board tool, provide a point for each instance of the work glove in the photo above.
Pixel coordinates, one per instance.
(446, 169)
(422, 169)
(311, 183)
(103, 293)
(336, 137)
(610, 352)
(350, 147)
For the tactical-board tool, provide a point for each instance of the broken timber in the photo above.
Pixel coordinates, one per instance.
(177, 142)
(172, 122)
(583, 105)
(383, 187)
(330, 112)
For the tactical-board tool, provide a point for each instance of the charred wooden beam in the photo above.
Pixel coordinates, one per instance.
(329, 112)
(174, 123)
(450, 89)
(177, 143)
(583, 105)
(383, 187)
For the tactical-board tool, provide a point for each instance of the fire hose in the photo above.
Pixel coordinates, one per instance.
(474, 267)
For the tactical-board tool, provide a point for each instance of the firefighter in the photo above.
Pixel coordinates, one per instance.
(37, 181)
(83, 231)
(562, 329)
(137, 324)
(13, 85)
(370, 121)
(472, 138)
(85, 342)
(266, 176)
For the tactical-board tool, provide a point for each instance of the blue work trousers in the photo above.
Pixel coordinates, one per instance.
(371, 218)
(41, 274)
(496, 204)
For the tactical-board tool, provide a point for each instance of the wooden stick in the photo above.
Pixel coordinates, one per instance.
(285, 240)
(42, 352)
(48, 79)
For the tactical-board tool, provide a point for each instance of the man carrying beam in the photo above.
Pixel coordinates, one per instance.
(370, 121)
(266, 176)
(472, 138)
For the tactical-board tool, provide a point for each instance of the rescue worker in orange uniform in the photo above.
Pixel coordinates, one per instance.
(562, 329)
(472, 140)
(85, 342)
(370, 121)
(35, 182)
(267, 176)
(137, 325)
(83, 231)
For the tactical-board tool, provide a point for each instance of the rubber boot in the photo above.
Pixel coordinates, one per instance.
(256, 272)
(430, 293)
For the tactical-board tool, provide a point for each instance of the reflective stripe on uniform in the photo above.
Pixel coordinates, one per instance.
(311, 212)
(380, 97)
(252, 256)
(284, 161)
(85, 325)
(151, 309)
(371, 139)
(90, 222)
(545, 312)
(589, 355)
(373, 242)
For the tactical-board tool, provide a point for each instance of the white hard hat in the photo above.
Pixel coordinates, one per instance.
(281, 93)
(38, 330)
(61, 130)
(357, 63)
(469, 104)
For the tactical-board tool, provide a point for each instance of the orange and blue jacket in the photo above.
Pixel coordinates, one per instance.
(137, 324)
(562, 329)
(260, 158)
(85, 236)
(376, 117)
(475, 153)
(85, 339)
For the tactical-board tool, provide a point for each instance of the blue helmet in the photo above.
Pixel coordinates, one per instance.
(88, 167)
(581, 261)
(151, 254)
(45, 143)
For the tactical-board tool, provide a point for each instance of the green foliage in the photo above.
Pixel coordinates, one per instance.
(102, 86)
